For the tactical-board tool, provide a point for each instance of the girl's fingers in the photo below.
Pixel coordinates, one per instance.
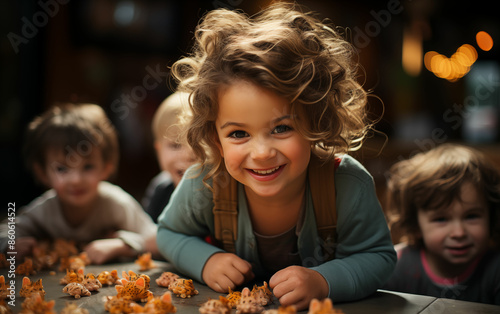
(245, 269)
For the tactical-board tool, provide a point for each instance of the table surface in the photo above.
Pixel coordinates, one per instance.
(380, 302)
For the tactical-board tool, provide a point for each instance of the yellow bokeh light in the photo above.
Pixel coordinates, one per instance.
(470, 52)
(427, 59)
(484, 41)
(461, 58)
(452, 68)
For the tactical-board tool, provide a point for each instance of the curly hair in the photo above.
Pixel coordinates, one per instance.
(73, 129)
(287, 51)
(433, 179)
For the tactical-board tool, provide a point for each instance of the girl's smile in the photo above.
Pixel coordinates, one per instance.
(265, 175)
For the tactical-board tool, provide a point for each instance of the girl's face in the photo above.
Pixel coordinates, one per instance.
(74, 178)
(455, 236)
(260, 147)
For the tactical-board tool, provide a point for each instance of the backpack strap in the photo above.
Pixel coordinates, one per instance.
(322, 186)
(225, 210)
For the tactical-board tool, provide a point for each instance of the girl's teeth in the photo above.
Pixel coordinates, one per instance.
(266, 171)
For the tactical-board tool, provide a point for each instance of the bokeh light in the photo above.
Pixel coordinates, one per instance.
(484, 41)
(452, 68)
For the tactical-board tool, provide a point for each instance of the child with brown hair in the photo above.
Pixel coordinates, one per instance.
(172, 151)
(446, 203)
(73, 149)
(272, 95)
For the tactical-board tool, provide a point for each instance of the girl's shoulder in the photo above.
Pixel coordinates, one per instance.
(351, 169)
(194, 177)
(192, 182)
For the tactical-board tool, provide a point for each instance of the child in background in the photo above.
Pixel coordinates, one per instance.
(267, 93)
(72, 149)
(172, 151)
(446, 202)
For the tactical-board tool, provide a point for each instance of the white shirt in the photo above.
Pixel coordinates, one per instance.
(115, 211)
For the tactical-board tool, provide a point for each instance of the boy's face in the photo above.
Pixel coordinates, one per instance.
(258, 141)
(174, 157)
(75, 178)
(455, 236)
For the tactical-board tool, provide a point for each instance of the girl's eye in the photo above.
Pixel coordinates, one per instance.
(238, 134)
(282, 128)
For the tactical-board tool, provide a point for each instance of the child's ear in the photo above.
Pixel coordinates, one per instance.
(41, 174)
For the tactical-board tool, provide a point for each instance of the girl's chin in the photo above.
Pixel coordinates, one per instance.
(265, 192)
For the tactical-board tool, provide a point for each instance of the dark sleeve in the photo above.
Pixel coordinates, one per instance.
(159, 200)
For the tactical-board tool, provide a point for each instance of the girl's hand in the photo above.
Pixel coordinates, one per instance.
(103, 250)
(226, 270)
(298, 286)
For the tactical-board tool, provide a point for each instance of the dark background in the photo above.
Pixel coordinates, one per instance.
(116, 53)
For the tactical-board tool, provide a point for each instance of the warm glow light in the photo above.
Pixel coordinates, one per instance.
(412, 53)
(428, 58)
(484, 41)
(470, 52)
(452, 68)
(461, 58)
(436, 64)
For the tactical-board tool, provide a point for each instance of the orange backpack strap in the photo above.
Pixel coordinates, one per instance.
(225, 210)
(322, 185)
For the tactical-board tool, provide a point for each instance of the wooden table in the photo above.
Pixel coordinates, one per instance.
(380, 302)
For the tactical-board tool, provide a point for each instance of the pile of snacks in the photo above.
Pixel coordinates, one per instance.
(132, 290)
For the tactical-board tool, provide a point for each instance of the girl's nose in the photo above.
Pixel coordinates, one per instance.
(262, 149)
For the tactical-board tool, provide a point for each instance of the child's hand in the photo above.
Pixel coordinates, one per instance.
(298, 285)
(24, 246)
(103, 250)
(226, 270)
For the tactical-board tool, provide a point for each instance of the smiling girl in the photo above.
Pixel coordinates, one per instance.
(269, 94)
(446, 202)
